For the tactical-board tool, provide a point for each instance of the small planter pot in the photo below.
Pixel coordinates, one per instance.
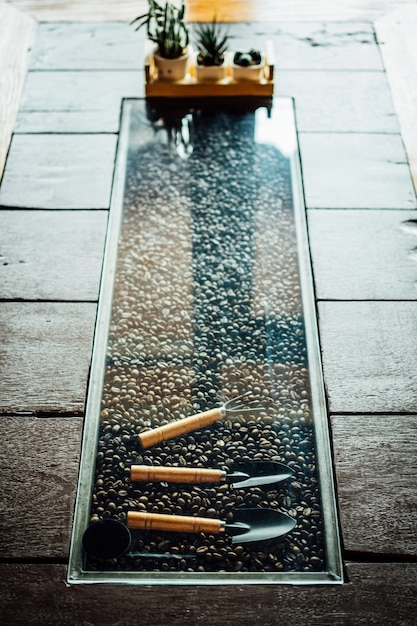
(210, 73)
(171, 69)
(251, 73)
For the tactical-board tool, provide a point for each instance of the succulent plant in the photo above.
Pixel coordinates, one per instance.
(165, 26)
(246, 59)
(212, 43)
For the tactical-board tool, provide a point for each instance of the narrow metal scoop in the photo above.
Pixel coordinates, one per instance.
(199, 420)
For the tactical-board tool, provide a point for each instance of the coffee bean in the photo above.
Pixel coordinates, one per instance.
(197, 260)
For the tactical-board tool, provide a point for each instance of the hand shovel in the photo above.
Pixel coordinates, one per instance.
(248, 525)
(250, 474)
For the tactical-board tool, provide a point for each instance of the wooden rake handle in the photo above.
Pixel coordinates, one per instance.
(174, 429)
(137, 520)
(151, 473)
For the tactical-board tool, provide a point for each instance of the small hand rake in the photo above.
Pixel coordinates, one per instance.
(199, 420)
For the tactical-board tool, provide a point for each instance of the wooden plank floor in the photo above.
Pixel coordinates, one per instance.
(362, 228)
(359, 602)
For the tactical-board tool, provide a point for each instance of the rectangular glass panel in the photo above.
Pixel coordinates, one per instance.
(207, 296)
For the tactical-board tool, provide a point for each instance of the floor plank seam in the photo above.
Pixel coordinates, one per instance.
(34, 561)
(342, 301)
(351, 556)
(372, 414)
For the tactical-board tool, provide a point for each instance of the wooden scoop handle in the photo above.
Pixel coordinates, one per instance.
(194, 475)
(138, 520)
(174, 429)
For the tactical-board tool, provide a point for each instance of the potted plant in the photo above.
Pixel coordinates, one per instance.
(212, 44)
(248, 65)
(166, 27)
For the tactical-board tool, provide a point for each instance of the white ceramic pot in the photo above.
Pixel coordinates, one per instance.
(210, 73)
(171, 69)
(252, 73)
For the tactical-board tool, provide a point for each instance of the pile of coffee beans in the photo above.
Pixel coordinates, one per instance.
(207, 305)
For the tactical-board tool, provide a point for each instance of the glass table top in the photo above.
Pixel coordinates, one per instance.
(206, 454)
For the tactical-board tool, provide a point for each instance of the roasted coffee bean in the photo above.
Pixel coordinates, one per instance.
(188, 322)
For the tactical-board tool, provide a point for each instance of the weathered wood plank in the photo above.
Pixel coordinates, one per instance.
(311, 45)
(39, 470)
(369, 356)
(322, 46)
(59, 172)
(396, 36)
(376, 594)
(343, 171)
(364, 255)
(79, 102)
(51, 255)
(61, 46)
(376, 468)
(16, 35)
(333, 101)
(229, 10)
(45, 352)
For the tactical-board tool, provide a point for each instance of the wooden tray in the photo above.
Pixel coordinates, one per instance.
(191, 87)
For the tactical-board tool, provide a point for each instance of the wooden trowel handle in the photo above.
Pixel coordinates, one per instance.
(194, 475)
(138, 520)
(174, 429)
